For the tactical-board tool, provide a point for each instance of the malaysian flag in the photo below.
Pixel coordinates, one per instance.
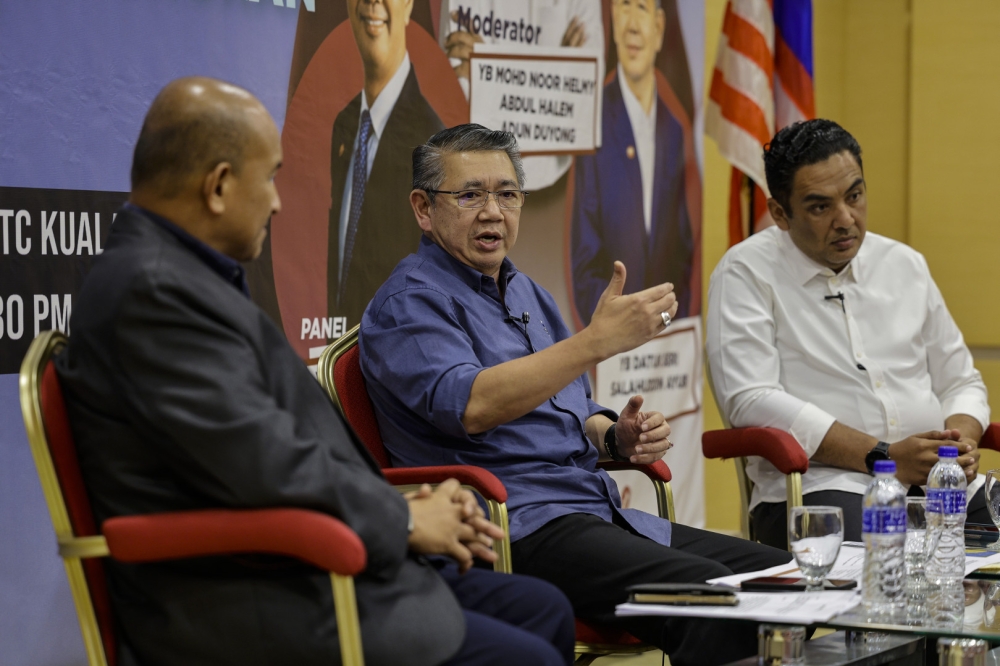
(763, 80)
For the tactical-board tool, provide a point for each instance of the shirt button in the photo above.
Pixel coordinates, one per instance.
(892, 422)
(858, 354)
(878, 384)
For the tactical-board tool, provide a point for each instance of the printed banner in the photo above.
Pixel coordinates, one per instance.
(550, 103)
(49, 238)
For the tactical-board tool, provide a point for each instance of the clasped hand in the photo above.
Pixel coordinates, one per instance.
(641, 436)
(449, 521)
(917, 454)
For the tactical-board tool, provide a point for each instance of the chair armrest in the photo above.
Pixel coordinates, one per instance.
(776, 446)
(488, 485)
(991, 438)
(310, 536)
(657, 471)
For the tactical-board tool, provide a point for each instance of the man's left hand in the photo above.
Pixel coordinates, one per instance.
(968, 452)
(641, 436)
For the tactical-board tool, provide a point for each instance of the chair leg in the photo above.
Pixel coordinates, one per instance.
(585, 659)
(498, 516)
(348, 625)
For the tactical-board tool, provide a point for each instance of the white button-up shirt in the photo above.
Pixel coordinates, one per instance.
(644, 134)
(887, 360)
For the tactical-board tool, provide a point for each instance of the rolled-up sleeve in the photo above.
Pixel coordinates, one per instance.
(744, 362)
(418, 349)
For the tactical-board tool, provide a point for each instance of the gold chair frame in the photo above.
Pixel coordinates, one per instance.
(73, 549)
(497, 510)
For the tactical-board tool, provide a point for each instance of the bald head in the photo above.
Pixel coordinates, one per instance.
(206, 160)
(193, 124)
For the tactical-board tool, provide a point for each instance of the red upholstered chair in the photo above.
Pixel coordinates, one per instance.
(312, 537)
(340, 374)
(781, 450)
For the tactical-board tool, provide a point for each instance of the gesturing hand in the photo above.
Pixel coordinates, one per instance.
(642, 436)
(622, 323)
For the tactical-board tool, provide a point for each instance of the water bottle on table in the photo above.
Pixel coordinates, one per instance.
(945, 568)
(884, 528)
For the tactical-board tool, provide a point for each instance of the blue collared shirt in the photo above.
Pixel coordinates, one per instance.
(228, 268)
(429, 331)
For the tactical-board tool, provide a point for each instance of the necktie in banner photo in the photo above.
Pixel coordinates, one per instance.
(358, 182)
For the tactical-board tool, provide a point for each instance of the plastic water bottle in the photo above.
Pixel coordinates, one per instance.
(946, 533)
(884, 527)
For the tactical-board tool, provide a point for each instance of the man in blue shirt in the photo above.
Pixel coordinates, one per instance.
(468, 361)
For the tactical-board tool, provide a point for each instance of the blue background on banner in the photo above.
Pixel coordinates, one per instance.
(77, 80)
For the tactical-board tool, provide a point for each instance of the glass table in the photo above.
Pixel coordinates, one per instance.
(981, 619)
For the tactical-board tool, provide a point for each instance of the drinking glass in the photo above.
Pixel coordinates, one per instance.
(992, 491)
(815, 534)
(916, 560)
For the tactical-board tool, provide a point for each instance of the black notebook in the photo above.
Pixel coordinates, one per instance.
(682, 594)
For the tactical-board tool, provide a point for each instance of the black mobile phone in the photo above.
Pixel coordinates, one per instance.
(781, 584)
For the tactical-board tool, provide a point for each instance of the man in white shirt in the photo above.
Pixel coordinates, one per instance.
(629, 200)
(371, 224)
(840, 337)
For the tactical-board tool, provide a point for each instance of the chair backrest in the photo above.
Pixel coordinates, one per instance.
(54, 451)
(340, 375)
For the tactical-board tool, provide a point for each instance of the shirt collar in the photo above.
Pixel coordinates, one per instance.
(632, 105)
(804, 269)
(386, 100)
(228, 268)
(436, 255)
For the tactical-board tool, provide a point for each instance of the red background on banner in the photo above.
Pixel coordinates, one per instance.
(299, 232)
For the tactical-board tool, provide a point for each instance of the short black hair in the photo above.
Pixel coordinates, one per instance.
(801, 144)
(170, 150)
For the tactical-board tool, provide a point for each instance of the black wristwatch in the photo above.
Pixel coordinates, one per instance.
(611, 445)
(880, 452)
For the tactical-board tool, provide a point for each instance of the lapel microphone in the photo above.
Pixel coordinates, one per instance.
(839, 296)
(524, 318)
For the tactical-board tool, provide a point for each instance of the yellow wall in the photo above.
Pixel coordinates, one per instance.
(916, 82)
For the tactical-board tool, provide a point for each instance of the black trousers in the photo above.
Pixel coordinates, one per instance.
(770, 519)
(592, 561)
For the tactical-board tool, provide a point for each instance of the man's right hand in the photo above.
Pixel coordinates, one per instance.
(622, 323)
(459, 45)
(445, 523)
(915, 455)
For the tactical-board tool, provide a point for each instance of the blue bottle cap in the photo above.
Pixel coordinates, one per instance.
(885, 466)
(947, 452)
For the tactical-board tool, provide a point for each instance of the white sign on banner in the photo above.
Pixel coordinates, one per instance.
(666, 371)
(548, 100)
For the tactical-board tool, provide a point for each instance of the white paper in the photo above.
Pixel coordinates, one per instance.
(803, 607)
(849, 566)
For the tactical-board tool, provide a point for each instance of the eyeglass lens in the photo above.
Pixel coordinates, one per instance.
(478, 198)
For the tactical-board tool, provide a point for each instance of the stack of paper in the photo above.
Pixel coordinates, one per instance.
(797, 607)
(850, 565)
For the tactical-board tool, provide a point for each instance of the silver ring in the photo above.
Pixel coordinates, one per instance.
(665, 316)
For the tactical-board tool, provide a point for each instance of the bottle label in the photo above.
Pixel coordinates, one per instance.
(884, 520)
(947, 500)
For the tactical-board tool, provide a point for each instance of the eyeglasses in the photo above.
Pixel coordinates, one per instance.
(479, 198)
